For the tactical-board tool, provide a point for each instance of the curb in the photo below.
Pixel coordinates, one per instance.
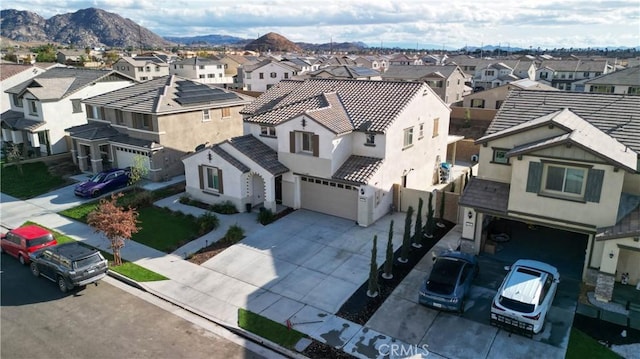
(236, 330)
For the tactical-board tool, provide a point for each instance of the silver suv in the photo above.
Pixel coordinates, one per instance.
(69, 265)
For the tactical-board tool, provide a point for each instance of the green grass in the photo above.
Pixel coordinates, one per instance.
(80, 212)
(34, 180)
(127, 269)
(583, 346)
(268, 329)
(163, 229)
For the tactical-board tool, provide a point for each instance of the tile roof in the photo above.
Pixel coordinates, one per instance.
(15, 120)
(616, 115)
(630, 76)
(260, 153)
(163, 95)
(230, 159)
(486, 195)
(60, 82)
(93, 131)
(196, 61)
(628, 224)
(9, 70)
(371, 105)
(333, 116)
(347, 71)
(358, 169)
(412, 72)
(575, 65)
(137, 142)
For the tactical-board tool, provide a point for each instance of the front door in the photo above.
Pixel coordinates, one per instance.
(279, 190)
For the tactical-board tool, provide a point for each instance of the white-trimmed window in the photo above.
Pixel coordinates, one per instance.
(33, 107)
(500, 156)
(564, 180)
(371, 139)
(210, 179)
(436, 127)
(420, 130)
(119, 117)
(76, 106)
(17, 100)
(206, 116)
(408, 137)
(273, 75)
(307, 142)
(477, 103)
(142, 121)
(268, 131)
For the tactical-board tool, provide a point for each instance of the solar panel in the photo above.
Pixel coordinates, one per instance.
(193, 99)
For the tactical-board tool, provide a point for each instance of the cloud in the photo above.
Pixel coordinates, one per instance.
(545, 23)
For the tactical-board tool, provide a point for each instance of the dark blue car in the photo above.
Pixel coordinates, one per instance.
(449, 282)
(103, 182)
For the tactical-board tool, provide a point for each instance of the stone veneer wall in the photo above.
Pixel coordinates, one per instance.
(604, 286)
(591, 276)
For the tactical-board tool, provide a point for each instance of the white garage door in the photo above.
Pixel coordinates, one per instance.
(125, 157)
(329, 197)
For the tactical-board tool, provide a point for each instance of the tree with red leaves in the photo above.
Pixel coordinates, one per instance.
(116, 223)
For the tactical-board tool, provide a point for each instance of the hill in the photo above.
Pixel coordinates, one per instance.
(272, 42)
(83, 28)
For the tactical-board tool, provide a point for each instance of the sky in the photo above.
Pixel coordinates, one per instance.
(450, 24)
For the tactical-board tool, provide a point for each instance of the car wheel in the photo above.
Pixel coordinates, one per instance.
(21, 259)
(462, 305)
(35, 270)
(1, 250)
(62, 284)
(95, 193)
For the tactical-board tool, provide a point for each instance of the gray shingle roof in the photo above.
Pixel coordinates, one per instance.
(615, 115)
(371, 105)
(630, 77)
(259, 152)
(163, 95)
(628, 224)
(358, 169)
(60, 82)
(411, 72)
(93, 131)
(486, 195)
(346, 71)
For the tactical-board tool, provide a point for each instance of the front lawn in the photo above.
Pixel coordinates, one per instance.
(165, 230)
(268, 329)
(34, 180)
(127, 269)
(583, 346)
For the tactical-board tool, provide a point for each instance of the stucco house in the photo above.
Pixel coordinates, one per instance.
(494, 98)
(44, 106)
(345, 72)
(626, 81)
(562, 73)
(332, 146)
(261, 76)
(447, 81)
(159, 121)
(142, 68)
(200, 69)
(568, 161)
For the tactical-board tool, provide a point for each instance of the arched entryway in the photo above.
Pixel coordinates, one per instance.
(256, 190)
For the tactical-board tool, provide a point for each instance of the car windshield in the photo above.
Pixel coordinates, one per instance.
(40, 240)
(444, 275)
(517, 305)
(97, 178)
(84, 262)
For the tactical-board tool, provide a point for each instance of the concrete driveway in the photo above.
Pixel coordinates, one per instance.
(470, 335)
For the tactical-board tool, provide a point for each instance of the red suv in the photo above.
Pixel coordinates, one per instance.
(21, 241)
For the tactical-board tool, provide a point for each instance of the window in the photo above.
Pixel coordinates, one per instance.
(490, 73)
(602, 88)
(286, 75)
(307, 142)
(586, 74)
(273, 75)
(201, 76)
(144, 78)
(408, 137)
(261, 75)
(205, 116)
(434, 83)
(500, 156)
(269, 131)
(477, 103)
(436, 126)
(76, 106)
(248, 75)
(17, 101)
(218, 66)
(564, 180)
(499, 104)
(211, 76)
(543, 75)
(211, 179)
(142, 121)
(33, 107)
(148, 69)
(140, 69)
(634, 90)
(201, 67)
(371, 139)
(157, 68)
(219, 75)
(226, 112)
(119, 117)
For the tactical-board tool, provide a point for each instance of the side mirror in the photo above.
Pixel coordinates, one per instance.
(507, 268)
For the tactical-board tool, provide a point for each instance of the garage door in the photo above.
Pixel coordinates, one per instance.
(125, 157)
(329, 197)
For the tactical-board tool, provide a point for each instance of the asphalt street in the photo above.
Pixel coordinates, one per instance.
(100, 321)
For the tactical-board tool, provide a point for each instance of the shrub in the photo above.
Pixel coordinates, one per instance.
(185, 199)
(139, 199)
(234, 233)
(266, 216)
(207, 222)
(226, 207)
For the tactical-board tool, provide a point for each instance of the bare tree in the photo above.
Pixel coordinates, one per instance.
(14, 155)
(116, 223)
(138, 170)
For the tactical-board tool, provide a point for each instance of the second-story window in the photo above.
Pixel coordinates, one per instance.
(477, 103)
(76, 106)
(261, 75)
(307, 142)
(148, 69)
(436, 126)
(489, 73)
(142, 121)
(157, 68)
(408, 137)
(119, 117)
(140, 69)
(226, 112)
(273, 75)
(33, 107)
(268, 131)
(17, 100)
(371, 139)
(286, 75)
(201, 67)
(420, 130)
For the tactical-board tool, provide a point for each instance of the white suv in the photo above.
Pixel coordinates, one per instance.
(525, 296)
